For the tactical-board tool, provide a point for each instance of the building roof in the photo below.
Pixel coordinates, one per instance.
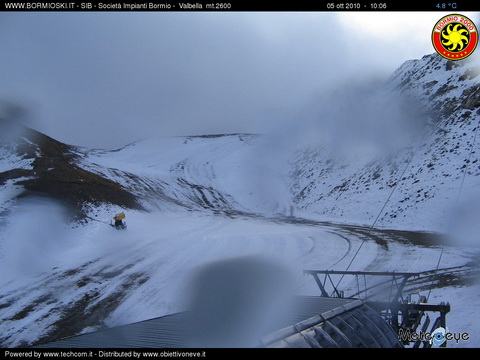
(316, 322)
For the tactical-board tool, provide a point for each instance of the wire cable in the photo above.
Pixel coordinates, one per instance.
(382, 209)
(437, 125)
(459, 190)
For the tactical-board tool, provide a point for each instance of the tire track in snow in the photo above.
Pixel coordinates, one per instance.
(132, 279)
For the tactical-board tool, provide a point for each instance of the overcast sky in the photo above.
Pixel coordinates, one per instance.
(104, 79)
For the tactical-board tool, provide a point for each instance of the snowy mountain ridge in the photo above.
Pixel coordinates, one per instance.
(232, 174)
(194, 200)
(425, 178)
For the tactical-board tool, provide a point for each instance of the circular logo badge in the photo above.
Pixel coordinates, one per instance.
(455, 37)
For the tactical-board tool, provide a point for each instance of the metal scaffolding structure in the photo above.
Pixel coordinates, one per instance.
(386, 296)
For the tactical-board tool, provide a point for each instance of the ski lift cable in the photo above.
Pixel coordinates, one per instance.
(468, 161)
(385, 204)
(383, 207)
(437, 125)
(465, 171)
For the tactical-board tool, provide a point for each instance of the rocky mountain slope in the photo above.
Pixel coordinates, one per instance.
(199, 199)
(159, 173)
(419, 184)
(415, 188)
(35, 164)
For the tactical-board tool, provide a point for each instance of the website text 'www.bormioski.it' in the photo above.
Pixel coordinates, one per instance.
(40, 6)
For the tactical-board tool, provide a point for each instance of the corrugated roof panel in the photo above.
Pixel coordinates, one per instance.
(350, 325)
(164, 332)
(315, 322)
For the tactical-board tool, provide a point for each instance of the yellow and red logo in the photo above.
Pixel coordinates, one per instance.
(455, 37)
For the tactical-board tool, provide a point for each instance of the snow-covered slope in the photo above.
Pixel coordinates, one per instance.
(35, 164)
(194, 200)
(219, 173)
(415, 187)
(420, 183)
(188, 172)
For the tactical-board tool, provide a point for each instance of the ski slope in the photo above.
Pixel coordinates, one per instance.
(237, 172)
(209, 199)
(106, 277)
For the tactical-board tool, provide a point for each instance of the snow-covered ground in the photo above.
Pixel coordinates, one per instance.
(218, 197)
(57, 280)
(435, 162)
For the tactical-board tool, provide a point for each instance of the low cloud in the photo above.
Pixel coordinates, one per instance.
(107, 79)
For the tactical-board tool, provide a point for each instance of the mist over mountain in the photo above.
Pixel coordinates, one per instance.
(437, 161)
(389, 164)
(411, 138)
